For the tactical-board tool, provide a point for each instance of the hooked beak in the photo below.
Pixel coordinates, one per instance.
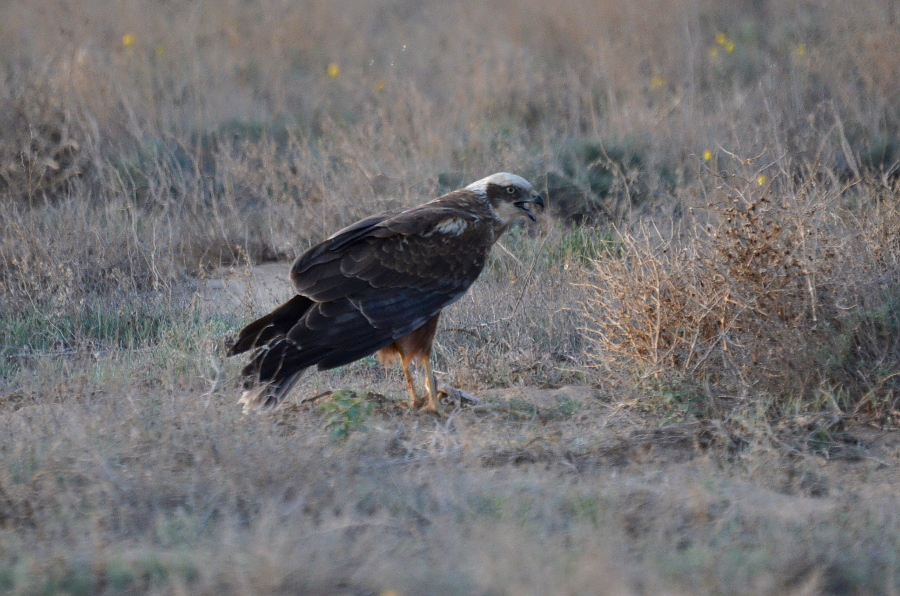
(523, 205)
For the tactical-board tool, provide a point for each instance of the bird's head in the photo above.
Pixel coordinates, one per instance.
(510, 196)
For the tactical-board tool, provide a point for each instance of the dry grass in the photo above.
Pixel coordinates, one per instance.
(717, 275)
(779, 296)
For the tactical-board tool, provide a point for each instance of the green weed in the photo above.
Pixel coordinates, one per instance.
(345, 411)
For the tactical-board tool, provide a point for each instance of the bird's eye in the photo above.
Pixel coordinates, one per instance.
(511, 190)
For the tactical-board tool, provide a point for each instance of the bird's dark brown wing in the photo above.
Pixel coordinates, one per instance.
(276, 325)
(372, 283)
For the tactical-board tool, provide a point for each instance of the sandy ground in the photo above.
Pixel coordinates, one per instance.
(247, 291)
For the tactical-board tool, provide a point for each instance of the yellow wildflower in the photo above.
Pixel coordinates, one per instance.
(380, 85)
(707, 155)
(762, 179)
(728, 45)
(800, 50)
(333, 70)
(128, 40)
(656, 82)
(721, 38)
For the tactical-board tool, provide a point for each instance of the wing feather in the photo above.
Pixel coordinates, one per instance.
(275, 324)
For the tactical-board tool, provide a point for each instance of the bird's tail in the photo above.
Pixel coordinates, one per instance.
(268, 378)
(271, 327)
(268, 395)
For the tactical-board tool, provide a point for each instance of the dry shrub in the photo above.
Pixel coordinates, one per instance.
(753, 303)
(40, 152)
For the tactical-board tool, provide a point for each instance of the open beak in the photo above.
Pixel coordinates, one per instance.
(523, 205)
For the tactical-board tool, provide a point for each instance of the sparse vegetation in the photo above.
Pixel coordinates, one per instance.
(689, 370)
(756, 299)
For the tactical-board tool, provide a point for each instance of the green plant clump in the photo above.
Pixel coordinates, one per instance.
(345, 412)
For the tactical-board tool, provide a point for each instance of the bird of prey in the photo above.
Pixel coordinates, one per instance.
(379, 285)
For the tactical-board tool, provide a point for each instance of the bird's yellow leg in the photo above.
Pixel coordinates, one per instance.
(414, 399)
(431, 403)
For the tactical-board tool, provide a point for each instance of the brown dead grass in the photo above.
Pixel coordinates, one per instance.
(676, 392)
(149, 484)
(774, 297)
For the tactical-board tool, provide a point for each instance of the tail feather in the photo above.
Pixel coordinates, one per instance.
(298, 334)
(268, 377)
(272, 326)
(268, 395)
(279, 360)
